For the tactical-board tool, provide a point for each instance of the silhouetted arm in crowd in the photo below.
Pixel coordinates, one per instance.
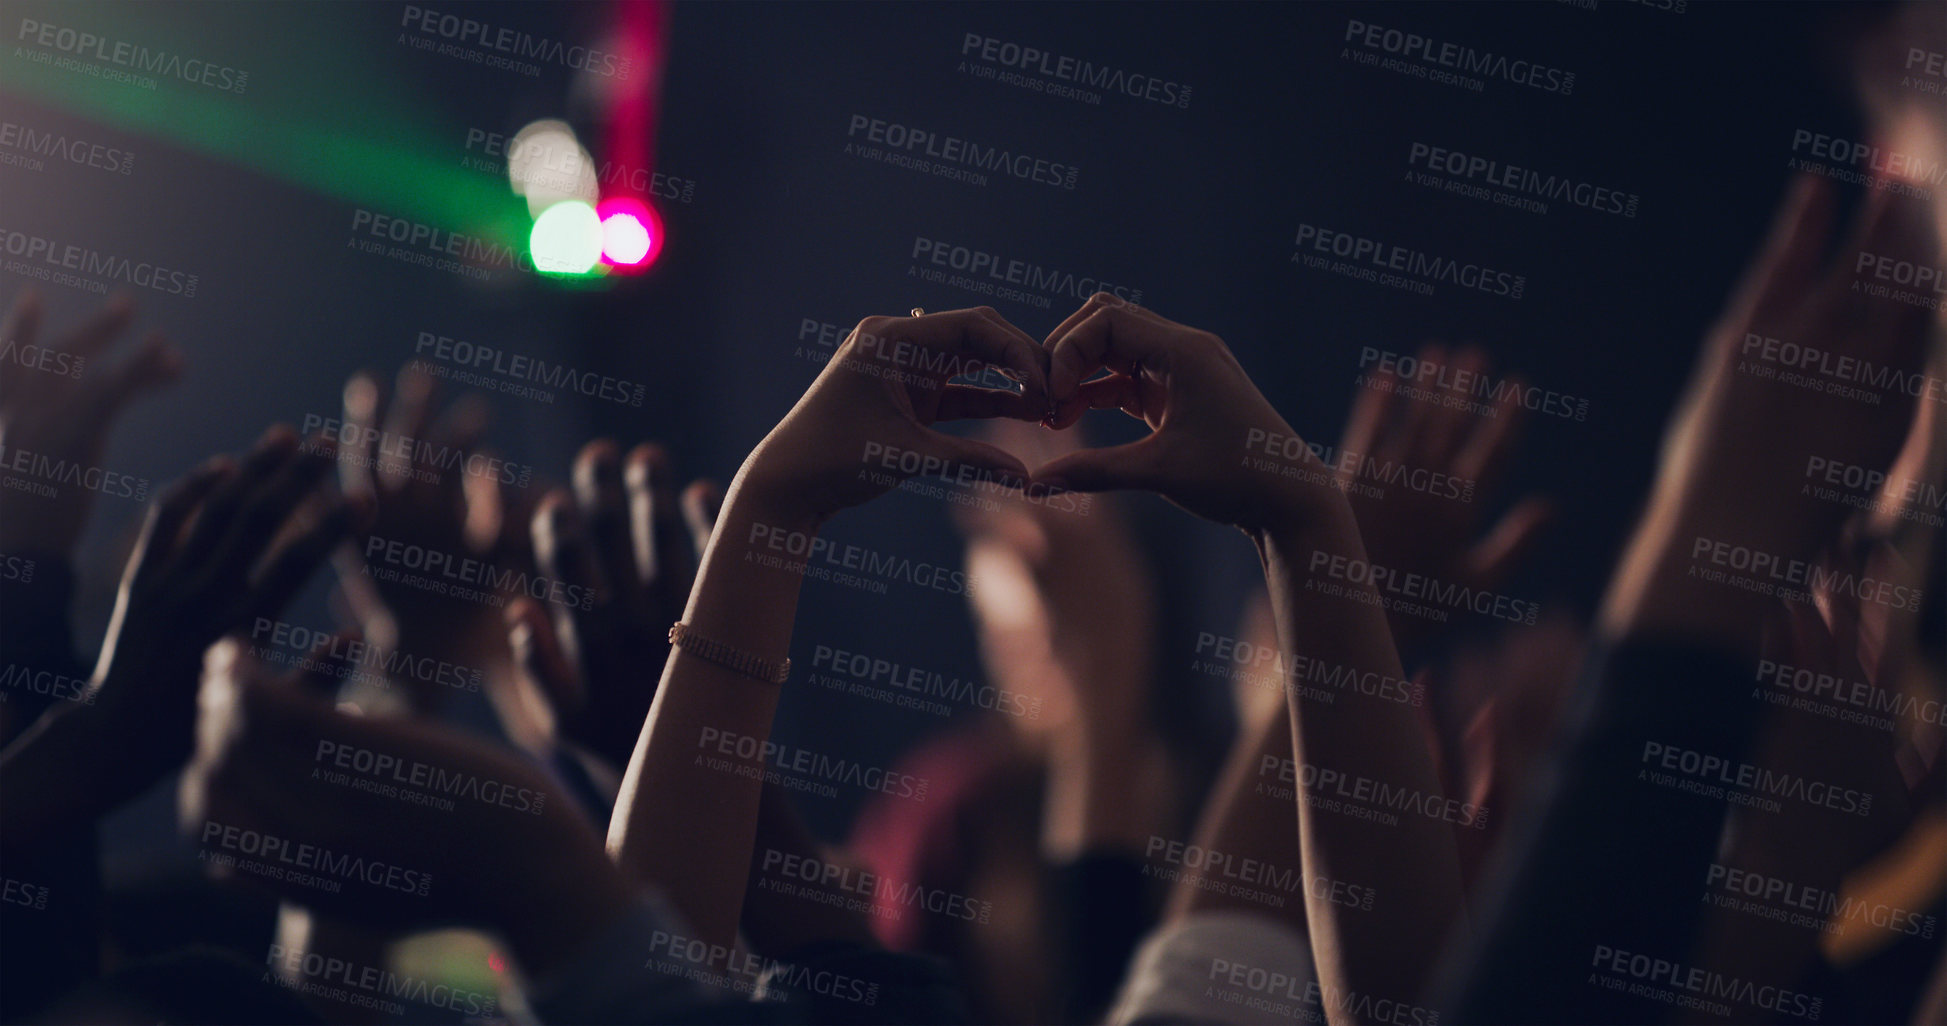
(58, 400)
(57, 404)
(223, 545)
(276, 798)
(247, 551)
(1609, 869)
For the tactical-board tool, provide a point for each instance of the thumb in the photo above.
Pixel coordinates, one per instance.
(702, 501)
(1812, 643)
(241, 699)
(1134, 465)
(327, 665)
(1497, 555)
(980, 455)
(538, 652)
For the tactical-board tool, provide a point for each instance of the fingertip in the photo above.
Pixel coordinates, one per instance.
(1066, 413)
(554, 516)
(467, 419)
(278, 439)
(222, 659)
(1013, 474)
(523, 613)
(168, 360)
(414, 382)
(321, 444)
(598, 449)
(219, 466)
(335, 647)
(983, 456)
(702, 500)
(1070, 473)
(596, 463)
(361, 395)
(649, 466)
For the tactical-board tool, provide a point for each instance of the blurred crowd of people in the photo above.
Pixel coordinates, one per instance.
(1722, 799)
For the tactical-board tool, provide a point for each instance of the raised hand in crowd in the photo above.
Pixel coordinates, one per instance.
(225, 545)
(1734, 459)
(625, 538)
(230, 542)
(1423, 473)
(436, 493)
(1729, 522)
(1064, 790)
(409, 825)
(58, 401)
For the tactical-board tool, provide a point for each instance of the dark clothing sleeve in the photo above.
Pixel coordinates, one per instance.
(1615, 857)
(50, 919)
(1101, 901)
(37, 660)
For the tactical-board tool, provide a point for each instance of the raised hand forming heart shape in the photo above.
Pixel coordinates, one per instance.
(866, 423)
(854, 435)
(1200, 405)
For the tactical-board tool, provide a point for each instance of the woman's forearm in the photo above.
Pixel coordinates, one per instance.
(687, 813)
(1412, 866)
(1242, 821)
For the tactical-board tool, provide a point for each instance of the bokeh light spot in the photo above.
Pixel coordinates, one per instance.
(567, 239)
(625, 239)
(632, 233)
